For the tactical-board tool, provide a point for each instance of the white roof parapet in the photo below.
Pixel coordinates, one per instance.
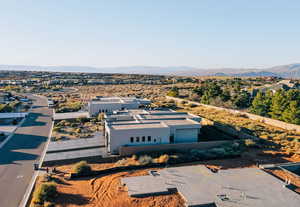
(70, 115)
(12, 115)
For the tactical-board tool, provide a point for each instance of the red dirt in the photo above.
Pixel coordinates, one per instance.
(107, 191)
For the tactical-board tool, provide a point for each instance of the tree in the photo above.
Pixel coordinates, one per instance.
(258, 105)
(199, 90)
(279, 104)
(225, 96)
(213, 90)
(242, 100)
(205, 98)
(292, 113)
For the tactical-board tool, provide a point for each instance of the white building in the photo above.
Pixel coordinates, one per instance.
(110, 104)
(144, 127)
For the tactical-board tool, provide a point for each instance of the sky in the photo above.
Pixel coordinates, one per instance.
(109, 33)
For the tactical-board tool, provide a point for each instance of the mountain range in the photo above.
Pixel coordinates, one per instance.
(285, 71)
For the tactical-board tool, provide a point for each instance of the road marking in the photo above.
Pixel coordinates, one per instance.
(20, 176)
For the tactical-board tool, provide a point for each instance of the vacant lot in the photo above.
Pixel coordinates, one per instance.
(107, 191)
(76, 128)
(279, 139)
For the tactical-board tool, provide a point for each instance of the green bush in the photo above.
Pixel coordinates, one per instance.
(82, 168)
(45, 192)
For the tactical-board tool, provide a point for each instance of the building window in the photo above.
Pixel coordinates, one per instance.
(143, 139)
(137, 139)
(154, 140)
(149, 138)
(131, 139)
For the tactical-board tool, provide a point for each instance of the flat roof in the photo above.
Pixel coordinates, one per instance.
(181, 122)
(125, 100)
(138, 125)
(70, 115)
(233, 187)
(12, 115)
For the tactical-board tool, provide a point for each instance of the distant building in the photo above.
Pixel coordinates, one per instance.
(149, 127)
(110, 104)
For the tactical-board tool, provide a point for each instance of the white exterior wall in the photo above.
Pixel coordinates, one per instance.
(95, 108)
(122, 137)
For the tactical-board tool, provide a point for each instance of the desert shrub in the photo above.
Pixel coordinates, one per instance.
(163, 158)
(45, 192)
(82, 168)
(49, 204)
(250, 143)
(134, 157)
(145, 160)
(56, 129)
(121, 162)
(78, 130)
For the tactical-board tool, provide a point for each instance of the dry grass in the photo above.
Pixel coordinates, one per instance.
(288, 141)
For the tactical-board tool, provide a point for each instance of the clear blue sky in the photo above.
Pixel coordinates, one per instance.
(199, 33)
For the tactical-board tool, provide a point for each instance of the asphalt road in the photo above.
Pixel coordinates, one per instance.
(24, 149)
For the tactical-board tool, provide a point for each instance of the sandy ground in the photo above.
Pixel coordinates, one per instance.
(107, 191)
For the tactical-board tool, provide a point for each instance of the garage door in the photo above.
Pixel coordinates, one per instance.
(186, 135)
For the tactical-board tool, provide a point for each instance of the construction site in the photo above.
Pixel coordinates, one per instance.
(200, 186)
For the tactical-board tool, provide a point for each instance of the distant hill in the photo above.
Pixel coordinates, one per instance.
(286, 71)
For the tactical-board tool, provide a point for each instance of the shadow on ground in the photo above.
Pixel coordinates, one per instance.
(18, 148)
(65, 199)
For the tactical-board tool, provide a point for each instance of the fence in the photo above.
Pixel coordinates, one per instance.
(269, 121)
(130, 150)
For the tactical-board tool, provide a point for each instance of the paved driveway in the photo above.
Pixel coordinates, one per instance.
(19, 154)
